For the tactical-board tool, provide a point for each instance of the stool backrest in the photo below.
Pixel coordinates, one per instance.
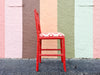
(37, 21)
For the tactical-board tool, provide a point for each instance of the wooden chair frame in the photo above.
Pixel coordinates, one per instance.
(39, 44)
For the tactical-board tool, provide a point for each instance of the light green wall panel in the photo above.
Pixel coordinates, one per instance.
(83, 28)
(65, 22)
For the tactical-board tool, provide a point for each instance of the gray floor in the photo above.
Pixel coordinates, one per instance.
(49, 67)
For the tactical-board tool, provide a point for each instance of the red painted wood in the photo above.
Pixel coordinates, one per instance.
(39, 43)
(45, 38)
(61, 50)
(40, 50)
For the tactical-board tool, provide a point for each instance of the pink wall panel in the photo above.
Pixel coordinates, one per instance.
(96, 28)
(13, 28)
(2, 30)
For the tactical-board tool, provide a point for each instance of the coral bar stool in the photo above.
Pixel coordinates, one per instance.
(44, 36)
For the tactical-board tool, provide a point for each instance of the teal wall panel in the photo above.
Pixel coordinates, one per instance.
(83, 28)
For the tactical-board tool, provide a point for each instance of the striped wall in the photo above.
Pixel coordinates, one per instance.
(48, 23)
(29, 29)
(96, 29)
(83, 28)
(2, 29)
(65, 22)
(13, 29)
(79, 20)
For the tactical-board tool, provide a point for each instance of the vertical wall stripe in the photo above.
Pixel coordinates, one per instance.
(84, 28)
(13, 28)
(96, 29)
(48, 21)
(66, 24)
(2, 29)
(29, 28)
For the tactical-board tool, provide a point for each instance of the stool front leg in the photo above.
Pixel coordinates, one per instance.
(37, 58)
(64, 58)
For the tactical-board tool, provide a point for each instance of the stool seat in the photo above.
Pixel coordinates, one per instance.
(59, 34)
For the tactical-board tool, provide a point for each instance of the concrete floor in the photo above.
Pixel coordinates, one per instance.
(49, 67)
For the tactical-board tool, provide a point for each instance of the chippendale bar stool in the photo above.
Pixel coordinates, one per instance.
(46, 36)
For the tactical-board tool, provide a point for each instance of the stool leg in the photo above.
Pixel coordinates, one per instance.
(40, 51)
(37, 58)
(64, 58)
(61, 50)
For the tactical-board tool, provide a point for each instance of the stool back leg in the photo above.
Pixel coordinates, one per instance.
(40, 50)
(37, 58)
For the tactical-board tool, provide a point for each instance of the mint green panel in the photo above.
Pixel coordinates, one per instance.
(83, 28)
(65, 24)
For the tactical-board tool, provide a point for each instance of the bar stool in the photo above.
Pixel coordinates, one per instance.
(46, 36)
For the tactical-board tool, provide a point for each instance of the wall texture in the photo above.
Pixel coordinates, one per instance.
(48, 21)
(83, 28)
(96, 29)
(13, 28)
(65, 22)
(29, 29)
(79, 20)
(2, 29)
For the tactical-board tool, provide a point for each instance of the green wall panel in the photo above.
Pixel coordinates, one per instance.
(65, 22)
